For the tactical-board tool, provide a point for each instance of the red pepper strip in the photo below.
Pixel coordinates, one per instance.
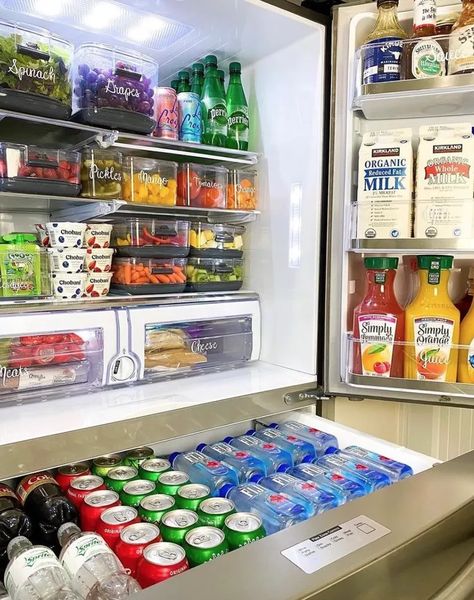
(152, 238)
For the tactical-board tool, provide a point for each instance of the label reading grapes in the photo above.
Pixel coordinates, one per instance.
(27, 564)
(377, 337)
(433, 339)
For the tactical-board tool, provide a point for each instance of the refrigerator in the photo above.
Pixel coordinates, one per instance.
(278, 350)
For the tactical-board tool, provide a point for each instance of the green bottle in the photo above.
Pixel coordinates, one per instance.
(183, 82)
(197, 78)
(237, 108)
(213, 107)
(174, 84)
(221, 75)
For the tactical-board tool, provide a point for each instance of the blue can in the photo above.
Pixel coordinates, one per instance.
(189, 108)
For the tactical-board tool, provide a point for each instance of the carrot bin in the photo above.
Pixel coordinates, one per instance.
(139, 275)
(202, 186)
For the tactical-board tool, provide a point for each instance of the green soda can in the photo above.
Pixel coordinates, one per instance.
(135, 457)
(214, 511)
(119, 476)
(191, 495)
(242, 528)
(175, 524)
(203, 544)
(134, 491)
(153, 507)
(153, 467)
(170, 482)
(102, 464)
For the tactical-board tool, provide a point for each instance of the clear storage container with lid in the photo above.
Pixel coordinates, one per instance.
(35, 170)
(114, 88)
(149, 181)
(151, 238)
(242, 190)
(202, 186)
(148, 275)
(101, 173)
(34, 71)
(215, 241)
(214, 274)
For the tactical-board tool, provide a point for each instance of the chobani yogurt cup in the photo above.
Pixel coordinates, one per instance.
(98, 235)
(68, 285)
(99, 260)
(65, 234)
(43, 236)
(67, 260)
(97, 284)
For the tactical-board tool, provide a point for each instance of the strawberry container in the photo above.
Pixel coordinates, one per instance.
(215, 241)
(151, 238)
(139, 275)
(214, 274)
(202, 186)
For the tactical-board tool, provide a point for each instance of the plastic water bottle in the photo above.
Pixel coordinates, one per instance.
(355, 469)
(300, 449)
(303, 491)
(276, 510)
(275, 458)
(343, 487)
(323, 443)
(394, 469)
(245, 464)
(95, 571)
(205, 470)
(34, 573)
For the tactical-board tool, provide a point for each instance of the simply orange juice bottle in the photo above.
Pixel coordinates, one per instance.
(432, 324)
(466, 339)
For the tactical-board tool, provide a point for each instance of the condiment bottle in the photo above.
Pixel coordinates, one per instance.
(461, 41)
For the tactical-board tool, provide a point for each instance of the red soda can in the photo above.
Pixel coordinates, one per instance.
(94, 505)
(166, 113)
(67, 473)
(82, 486)
(113, 520)
(159, 562)
(133, 541)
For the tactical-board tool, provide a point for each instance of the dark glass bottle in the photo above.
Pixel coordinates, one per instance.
(13, 522)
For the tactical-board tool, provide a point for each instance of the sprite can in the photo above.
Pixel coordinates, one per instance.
(134, 491)
(152, 508)
(134, 458)
(203, 544)
(119, 476)
(175, 524)
(153, 467)
(102, 464)
(214, 511)
(191, 495)
(170, 482)
(242, 528)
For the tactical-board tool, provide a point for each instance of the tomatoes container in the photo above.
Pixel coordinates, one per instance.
(46, 349)
(214, 274)
(216, 241)
(242, 190)
(151, 238)
(35, 170)
(202, 186)
(35, 71)
(114, 88)
(149, 275)
(101, 173)
(149, 181)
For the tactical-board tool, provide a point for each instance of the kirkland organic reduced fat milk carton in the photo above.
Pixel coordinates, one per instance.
(444, 182)
(385, 184)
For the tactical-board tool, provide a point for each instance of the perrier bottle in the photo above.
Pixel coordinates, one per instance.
(237, 110)
(213, 107)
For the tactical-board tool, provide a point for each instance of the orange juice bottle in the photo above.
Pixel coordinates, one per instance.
(432, 324)
(466, 338)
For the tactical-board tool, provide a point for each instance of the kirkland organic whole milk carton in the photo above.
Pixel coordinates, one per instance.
(444, 182)
(384, 197)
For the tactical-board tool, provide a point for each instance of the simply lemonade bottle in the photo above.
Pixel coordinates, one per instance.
(432, 324)
(466, 338)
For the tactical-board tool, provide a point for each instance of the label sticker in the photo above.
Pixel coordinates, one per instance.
(328, 546)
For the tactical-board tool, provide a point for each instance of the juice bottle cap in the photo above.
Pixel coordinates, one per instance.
(211, 60)
(198, 68)
(444, 262)
(183, 74)
(382, 2)
(380, 262)
(235, 67)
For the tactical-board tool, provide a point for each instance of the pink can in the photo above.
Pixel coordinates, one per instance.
(166, 113)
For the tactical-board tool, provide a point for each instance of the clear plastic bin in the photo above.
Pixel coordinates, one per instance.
(114, 88)
(202, 186)
(148, 275)
(215, 241)
(151, 238)
(149, 181)
(35, 71)
(35, 170)
(242, 190)
(214, 274)
(101, 173)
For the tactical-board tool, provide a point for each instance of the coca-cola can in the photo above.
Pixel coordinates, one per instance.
(166, 113)
(82, 486)
(94, 505)
(67, 473)
(113, 520)
(133, 541)
(159, 562)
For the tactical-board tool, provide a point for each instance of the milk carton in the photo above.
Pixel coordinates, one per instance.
(444, 182)
(384, 198)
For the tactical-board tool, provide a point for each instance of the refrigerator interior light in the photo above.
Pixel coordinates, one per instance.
(102, 14)
(146, 28)
(294, 224)
(51, 8)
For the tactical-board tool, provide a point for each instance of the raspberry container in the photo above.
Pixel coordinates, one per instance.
(242, 190)
(114, 88)
(216, 241)
(214, 274)
(151, 238)
(149, 275)
(35, 170)
(202, 186)
(101, 173)
(149, 181)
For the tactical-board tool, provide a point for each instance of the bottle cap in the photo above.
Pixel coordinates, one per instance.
(16, 545)
(381, 2)
(307, 458)
(426, 262)
(183, 74)
(255, 478)
(274, 426)
(225, 489)
(228, 439)
(173, 456)
(380, 262)
(200, 447)
(235, 67)
(251, 432)
(283, 468)
(221, 74)
(332, 450)
(210, 60)
(66, 531)
(198, 68)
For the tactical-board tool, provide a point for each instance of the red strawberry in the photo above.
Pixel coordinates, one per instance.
(92, 265)
(91, 241)
(46, 241)
(97, 270)
(95, 294)
(89, 288)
